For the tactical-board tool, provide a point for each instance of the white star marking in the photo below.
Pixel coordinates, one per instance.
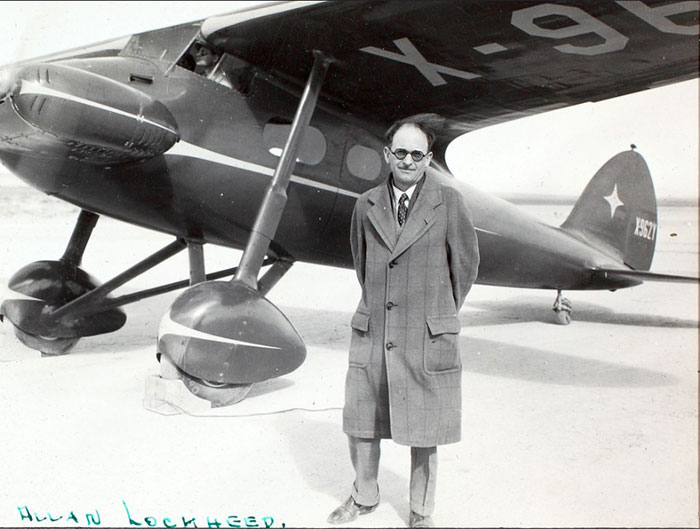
(614, 200)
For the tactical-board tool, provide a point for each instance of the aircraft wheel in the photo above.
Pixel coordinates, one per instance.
(47, 346)
(562, 317)
(217, 394)
(168, 369)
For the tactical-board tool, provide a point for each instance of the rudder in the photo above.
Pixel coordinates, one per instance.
(617, 210)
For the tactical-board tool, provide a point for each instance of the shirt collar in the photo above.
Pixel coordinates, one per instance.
(396, 192)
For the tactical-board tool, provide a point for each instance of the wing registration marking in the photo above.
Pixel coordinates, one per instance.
(529, 20)
(411, 55)
(488, 49)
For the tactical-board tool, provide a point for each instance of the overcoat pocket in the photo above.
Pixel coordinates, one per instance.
(361, 341)
(441, 351)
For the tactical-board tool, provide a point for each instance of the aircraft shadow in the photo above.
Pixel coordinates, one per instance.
(330, 330)
(327, 468)
(532, 308)
(505, 360)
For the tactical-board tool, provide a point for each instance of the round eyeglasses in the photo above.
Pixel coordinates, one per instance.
(400, 154)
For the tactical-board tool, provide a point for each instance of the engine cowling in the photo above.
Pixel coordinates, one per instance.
(67, 111)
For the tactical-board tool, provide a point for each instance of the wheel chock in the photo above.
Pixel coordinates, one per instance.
(171, 397)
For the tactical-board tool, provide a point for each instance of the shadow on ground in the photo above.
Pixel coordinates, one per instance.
(331, 329)
(327, 468)
(501, 359)
(536, 308)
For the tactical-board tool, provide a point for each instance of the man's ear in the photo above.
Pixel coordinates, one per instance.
(429, 156)
(387, 153)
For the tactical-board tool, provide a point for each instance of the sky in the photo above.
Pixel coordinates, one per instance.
(555, 153)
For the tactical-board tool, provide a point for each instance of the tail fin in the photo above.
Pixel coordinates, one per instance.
(617, 211)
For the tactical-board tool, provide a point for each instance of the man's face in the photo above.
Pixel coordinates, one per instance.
(204, 57)
(407, 171)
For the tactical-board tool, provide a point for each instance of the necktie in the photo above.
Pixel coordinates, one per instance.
(403, 209)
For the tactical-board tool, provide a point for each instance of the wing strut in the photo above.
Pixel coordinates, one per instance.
(275, 198)
(224, 336)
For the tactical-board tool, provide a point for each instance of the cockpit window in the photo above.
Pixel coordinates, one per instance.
(164, 46)
(185, 47)
(204, 60)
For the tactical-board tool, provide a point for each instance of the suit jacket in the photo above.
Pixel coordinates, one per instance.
(404, 375)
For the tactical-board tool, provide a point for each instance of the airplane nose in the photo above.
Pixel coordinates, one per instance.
(62, 109)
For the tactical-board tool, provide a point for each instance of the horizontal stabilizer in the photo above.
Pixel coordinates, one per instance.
(645, 276)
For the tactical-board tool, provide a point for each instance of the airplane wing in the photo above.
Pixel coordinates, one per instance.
(475, 62)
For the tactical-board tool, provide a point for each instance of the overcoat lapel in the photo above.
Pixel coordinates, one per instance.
(421, 216)
(381, 216)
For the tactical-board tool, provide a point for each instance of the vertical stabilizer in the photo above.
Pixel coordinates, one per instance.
(617, 210)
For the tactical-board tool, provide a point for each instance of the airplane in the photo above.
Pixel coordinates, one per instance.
(258, 130)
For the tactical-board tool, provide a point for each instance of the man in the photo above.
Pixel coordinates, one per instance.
(416, 257)
(206, 65)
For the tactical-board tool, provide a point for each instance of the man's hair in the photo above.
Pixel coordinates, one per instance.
(429, 124)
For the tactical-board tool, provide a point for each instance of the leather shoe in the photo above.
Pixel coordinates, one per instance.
(350, 510)
(418, 520)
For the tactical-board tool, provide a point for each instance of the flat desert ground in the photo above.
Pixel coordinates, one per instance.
(592, 424)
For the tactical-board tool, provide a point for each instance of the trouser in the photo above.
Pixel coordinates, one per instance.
(364, 454)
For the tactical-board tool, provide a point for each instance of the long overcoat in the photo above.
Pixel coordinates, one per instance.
(404, 374)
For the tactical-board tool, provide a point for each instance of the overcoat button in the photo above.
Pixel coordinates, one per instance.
(390, 306)
(390, 346)
(392, 264)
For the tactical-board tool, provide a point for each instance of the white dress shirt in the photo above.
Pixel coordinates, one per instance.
(396, 195)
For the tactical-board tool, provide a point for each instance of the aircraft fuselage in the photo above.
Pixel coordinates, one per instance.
(172, 151)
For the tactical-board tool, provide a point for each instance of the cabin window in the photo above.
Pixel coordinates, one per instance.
(363, 162)
(311, 150)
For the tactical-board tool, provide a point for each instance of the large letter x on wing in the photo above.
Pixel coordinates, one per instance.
(412, 56)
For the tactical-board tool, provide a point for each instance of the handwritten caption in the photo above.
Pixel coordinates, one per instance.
(133, 519)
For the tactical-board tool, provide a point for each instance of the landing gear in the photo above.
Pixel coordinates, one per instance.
(54, 282)
(219, 394)
(219, 338)
(562, 309)
(223, 337)
(47, 346)
(51, 285)
(58, 302)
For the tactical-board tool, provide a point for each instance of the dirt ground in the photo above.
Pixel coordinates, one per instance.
(592, 424)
